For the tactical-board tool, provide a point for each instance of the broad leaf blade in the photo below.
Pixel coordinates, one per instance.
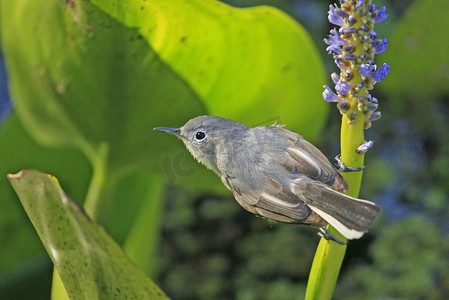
(80, 78)
(251, 64)
(89, 261)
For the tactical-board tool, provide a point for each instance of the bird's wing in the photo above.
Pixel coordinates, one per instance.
(308, 160)
(274, 201)
(281, 204)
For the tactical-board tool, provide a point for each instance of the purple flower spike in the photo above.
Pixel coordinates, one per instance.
(329, 95)
(333, 17)
(365, 146)
(343, 87)
(353, 46)
(381, 16)
(381, 73)
(380, 46)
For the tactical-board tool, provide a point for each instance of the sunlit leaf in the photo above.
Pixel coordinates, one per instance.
(253, 65)
(80, 78)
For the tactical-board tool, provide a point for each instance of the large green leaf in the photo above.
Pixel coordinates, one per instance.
(91, 264)
(251, 65)
(80, 79)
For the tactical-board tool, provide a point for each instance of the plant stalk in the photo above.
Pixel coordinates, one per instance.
(329, 255)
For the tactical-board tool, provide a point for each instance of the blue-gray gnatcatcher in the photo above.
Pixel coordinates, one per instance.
(275, 173)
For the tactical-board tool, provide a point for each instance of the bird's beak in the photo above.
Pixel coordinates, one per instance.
(174, 131)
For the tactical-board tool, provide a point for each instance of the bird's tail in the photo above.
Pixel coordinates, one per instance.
(352, 217)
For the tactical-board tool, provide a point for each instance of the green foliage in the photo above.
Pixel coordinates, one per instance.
(250, 65)
(91, 264)
(19, 150)
(80, 79)
(418, 53)
(410, 262)
(88, 88)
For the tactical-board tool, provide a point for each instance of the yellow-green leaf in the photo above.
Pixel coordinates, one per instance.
(91, 264)
(251, 65)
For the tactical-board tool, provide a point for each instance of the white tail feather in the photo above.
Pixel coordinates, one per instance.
(348, 233)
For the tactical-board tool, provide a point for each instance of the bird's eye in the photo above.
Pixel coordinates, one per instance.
(200, 135)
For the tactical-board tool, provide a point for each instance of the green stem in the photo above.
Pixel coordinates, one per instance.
(97, 183)
(352, 136)
(143, 238)
(329, 255)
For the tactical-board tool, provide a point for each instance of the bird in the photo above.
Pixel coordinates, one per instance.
(277, 174)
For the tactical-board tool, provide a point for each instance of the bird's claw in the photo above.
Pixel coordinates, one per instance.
(343, 168)
(324, 233)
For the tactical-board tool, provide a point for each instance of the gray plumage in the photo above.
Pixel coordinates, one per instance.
(275, 173)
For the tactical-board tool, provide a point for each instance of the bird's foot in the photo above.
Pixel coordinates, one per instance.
(343, 168)
(324, 233)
